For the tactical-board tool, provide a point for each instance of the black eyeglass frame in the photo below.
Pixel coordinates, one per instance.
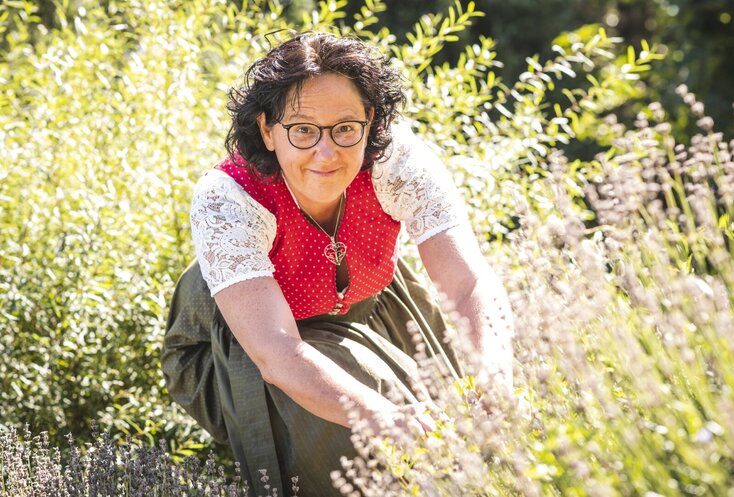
(287, 128)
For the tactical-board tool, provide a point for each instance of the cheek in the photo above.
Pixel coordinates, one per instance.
(290, 159)
(362, 155)
(283, 159)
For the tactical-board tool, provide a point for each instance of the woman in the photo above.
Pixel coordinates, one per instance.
(296, 239)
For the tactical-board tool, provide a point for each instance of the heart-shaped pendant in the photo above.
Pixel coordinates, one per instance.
(335, 252)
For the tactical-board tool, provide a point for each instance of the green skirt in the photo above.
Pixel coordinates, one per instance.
(210, 375)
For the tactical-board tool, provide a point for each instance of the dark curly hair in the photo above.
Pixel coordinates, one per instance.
(269, 80)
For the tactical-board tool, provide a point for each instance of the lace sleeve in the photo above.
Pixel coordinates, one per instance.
(232, 232)
(412, 185)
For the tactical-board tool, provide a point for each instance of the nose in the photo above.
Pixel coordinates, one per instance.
(326, 148)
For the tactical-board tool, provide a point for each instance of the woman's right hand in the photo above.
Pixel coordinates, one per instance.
(419, 418)
(411, 418)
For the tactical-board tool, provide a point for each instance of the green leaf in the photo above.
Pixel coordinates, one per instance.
(631, 58)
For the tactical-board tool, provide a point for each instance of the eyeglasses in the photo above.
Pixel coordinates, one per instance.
(307, 135)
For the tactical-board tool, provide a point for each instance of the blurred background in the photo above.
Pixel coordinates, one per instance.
(696, 35)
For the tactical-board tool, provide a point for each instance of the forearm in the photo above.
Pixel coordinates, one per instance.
(485, 306)
(317, 383)
(266, 330)
(459, 270)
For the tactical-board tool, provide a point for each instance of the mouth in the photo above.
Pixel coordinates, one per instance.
(324, 174)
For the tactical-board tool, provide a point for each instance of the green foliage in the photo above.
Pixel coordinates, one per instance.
(107, 121)
(695, 35)
(105, 126)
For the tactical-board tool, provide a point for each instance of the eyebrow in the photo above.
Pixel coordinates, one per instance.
(311, 118)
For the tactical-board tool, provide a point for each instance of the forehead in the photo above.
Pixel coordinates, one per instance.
(326, 96)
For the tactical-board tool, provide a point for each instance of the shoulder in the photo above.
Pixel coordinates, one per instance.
(215, 181)
(397, 153)
(407, 156)
(232, 233)
(219, 200)
(216, 188)
(413, 185)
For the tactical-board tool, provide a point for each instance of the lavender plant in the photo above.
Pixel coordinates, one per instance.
(624, 333)
(29, 467)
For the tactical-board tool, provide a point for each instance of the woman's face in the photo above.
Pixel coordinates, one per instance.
(318, 176)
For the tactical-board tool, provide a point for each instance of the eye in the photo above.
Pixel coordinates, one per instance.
(345, 127)
(305, 129)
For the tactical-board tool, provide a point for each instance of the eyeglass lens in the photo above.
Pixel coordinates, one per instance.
(344, 134)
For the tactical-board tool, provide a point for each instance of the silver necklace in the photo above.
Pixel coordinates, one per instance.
(334, 251)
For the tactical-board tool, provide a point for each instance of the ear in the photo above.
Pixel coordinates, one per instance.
(266, 132)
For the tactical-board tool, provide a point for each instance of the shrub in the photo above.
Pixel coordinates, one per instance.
(106, 124)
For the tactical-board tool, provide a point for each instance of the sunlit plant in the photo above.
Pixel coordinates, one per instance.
(623, 338)
(619, 265)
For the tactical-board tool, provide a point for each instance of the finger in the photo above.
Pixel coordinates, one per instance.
(427, 423)
(415, 426)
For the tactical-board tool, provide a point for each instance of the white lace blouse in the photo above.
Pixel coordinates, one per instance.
(233, 233)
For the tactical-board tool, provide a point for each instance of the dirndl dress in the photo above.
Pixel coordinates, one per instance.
(211, 376)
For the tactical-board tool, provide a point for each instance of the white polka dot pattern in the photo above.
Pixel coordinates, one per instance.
(245, 228)
(306, 278)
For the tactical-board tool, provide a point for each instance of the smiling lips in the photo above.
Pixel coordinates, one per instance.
(323, 173)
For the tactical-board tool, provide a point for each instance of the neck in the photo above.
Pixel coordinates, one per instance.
(324, 214)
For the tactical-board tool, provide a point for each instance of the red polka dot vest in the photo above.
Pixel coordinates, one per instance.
(306, 278)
